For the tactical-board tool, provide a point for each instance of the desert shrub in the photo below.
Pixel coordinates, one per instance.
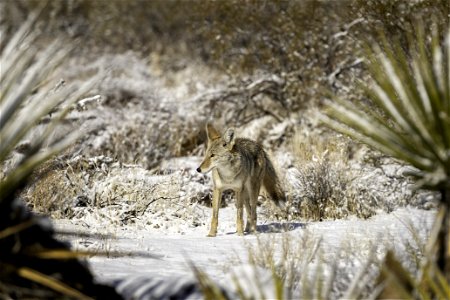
(139, 140)
(102, 190)
(324, 192)
(222, 30)
(313, 45)
(57, 190)
(134, 123)
(323, 182)
(327, 190)
(281, 56)
(396, 16)
(145, 141)
(333, 178)
(52, 195)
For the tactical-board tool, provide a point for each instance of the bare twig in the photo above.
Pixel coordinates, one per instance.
(245, 100)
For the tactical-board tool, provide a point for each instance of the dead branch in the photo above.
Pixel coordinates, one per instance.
(245, 98)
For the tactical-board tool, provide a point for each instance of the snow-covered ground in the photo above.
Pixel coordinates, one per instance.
(131, 184)
(346, 243)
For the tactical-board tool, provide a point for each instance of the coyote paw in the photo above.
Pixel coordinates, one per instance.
(211, 234)
(250, 230)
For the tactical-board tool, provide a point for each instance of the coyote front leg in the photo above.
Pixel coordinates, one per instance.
(217, 197)
(240, 198)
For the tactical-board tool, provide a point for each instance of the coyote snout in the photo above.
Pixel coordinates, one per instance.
(243, 166)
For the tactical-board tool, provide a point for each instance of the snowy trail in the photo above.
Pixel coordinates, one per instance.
(174, 254)
(214, 255)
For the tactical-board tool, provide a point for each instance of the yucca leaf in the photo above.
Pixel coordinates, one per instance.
(438, 63)
(426, 69)
(32, 76)
(410, 93)
(210, 290)
(421, 88)
(357, 284)
(70, 100)
(383, 94)
(437, 282)
(24, 32)
(400, 125)
(22, 171)
(447, 73)
(397, 72)
(11, 70)
(63, 254)
(50, 282)
(371, 132)
(397, 280)
(13, 132)
(15, 229)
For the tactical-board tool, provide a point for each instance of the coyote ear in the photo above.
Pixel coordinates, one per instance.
(212, 132)
(228, 138)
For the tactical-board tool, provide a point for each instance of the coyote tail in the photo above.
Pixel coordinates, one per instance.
(272, 184)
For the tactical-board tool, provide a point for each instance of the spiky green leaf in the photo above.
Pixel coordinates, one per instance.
(411, 118)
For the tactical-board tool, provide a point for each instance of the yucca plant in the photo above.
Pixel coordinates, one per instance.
(410, 116)
(33, 264)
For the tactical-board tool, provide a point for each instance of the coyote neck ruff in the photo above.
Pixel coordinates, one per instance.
(243, 166)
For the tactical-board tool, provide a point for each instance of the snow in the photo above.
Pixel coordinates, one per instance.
(346, 242)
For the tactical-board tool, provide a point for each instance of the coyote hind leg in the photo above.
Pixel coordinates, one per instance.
(240, 199)
(253, 202)
(248, 211)
(250, 207)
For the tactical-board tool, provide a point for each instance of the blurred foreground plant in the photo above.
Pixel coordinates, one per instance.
(410, 121)
(33, 264)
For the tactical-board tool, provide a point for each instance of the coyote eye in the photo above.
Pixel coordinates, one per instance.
(212, 155)
(224, 144)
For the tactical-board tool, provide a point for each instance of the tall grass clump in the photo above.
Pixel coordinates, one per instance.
(303, 265)
(33, 264)
(410, 121)
(324, 185)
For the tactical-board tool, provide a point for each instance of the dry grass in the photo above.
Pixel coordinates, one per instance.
(52, 195)
(147, 141)
(324, 185)
(115, 194)
(334, 178)
(308, 267)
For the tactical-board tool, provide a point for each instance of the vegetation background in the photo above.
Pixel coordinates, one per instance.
(165, 68)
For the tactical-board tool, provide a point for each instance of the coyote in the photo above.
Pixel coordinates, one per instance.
(240, 165)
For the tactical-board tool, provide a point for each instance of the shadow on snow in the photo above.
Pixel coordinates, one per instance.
(276, 227)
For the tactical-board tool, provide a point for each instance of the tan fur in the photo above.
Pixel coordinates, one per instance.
(243, 166)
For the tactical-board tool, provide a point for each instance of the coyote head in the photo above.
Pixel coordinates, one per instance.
(218, 150)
